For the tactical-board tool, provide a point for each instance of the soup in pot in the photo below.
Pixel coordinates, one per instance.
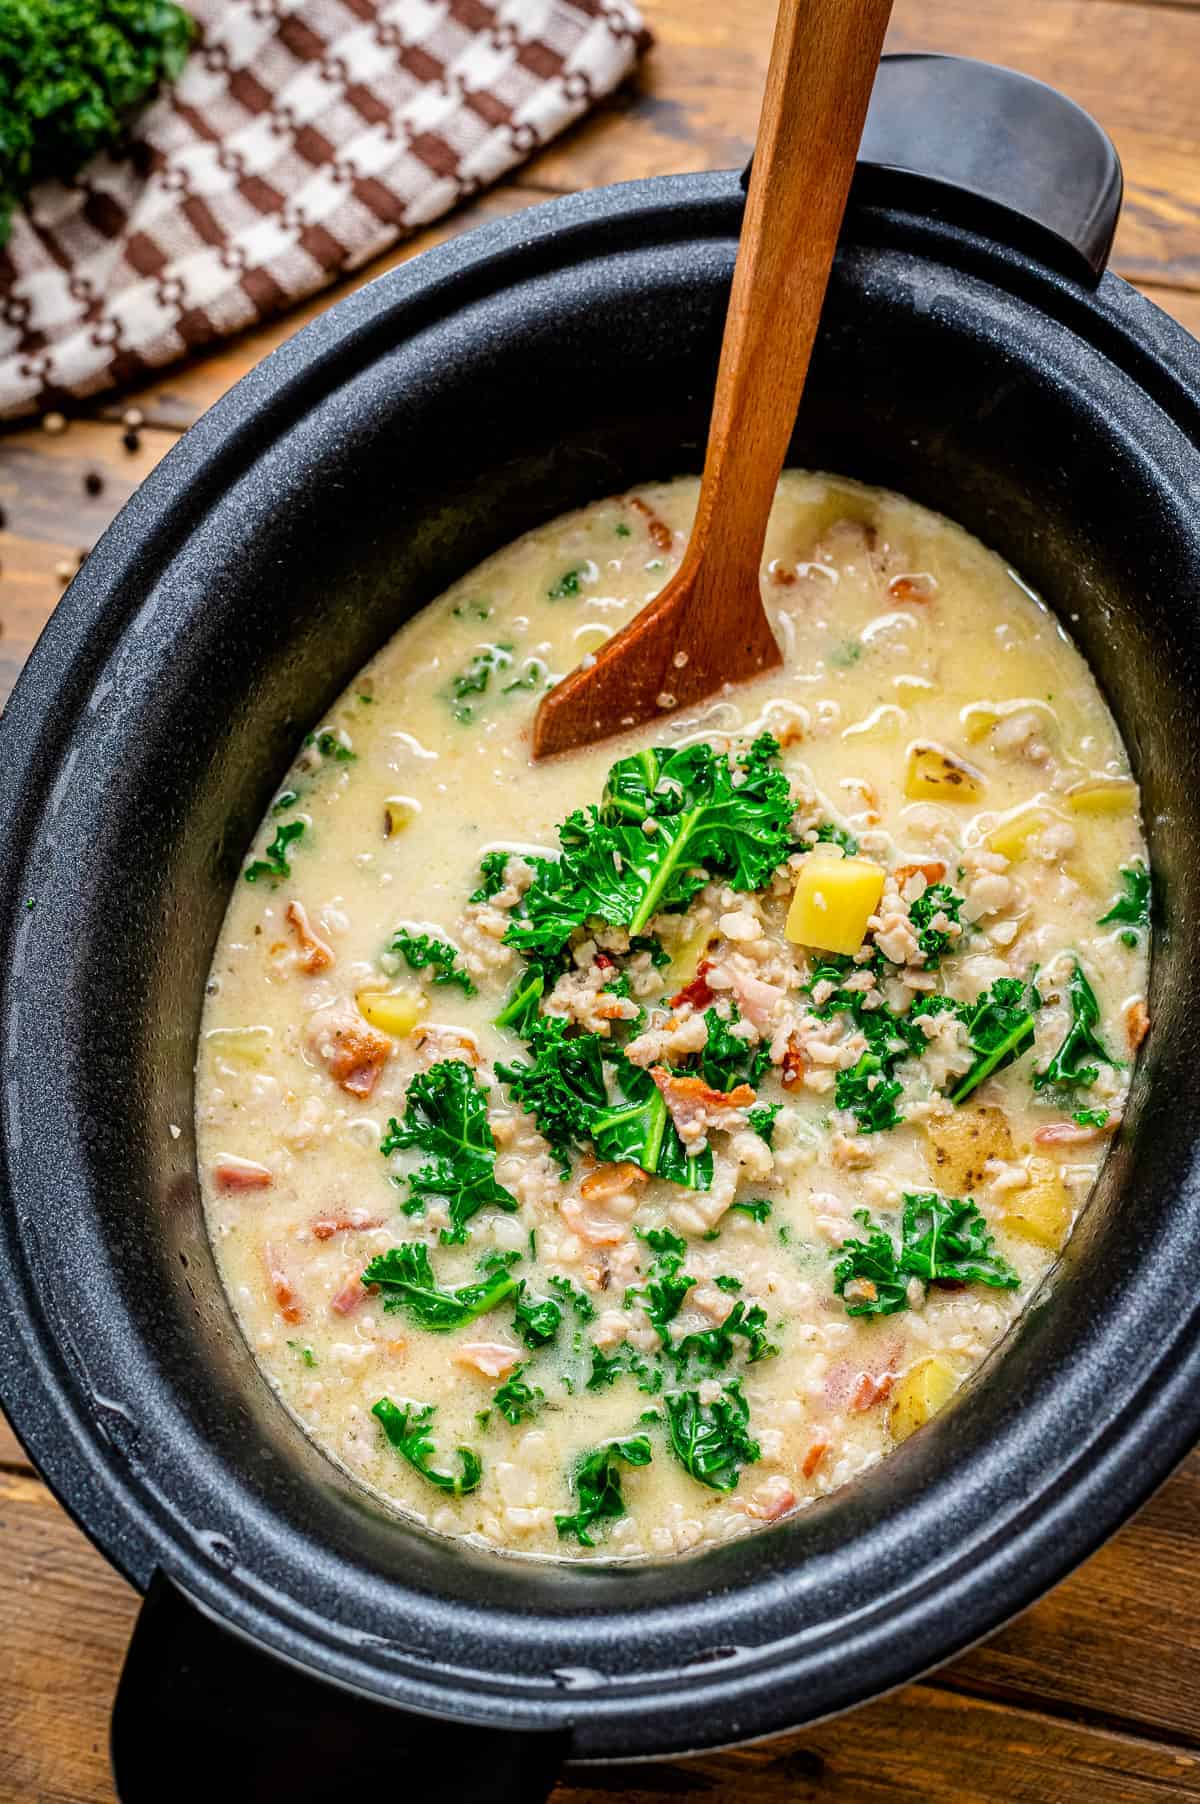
(608, 1156)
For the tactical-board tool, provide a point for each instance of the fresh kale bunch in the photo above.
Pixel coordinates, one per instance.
(72, 72)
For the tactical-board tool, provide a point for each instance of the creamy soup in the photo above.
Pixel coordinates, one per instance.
(606, 1157)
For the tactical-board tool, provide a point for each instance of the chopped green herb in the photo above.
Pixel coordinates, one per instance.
(596, 1483)
(405, 1275)
(843, 656)
(709, 1439)
(474, 680)
(446, 1117)
(307, 1356)
(621, 530)
(727, 1282)
(330, 746)
(420, 950)
(1081, 1041)
(287, 798)
(474, 610)
(406, 1426)
(275, 865)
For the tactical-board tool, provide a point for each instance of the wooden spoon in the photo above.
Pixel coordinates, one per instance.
(708, 626)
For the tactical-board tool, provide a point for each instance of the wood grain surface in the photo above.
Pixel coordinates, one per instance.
(1094, 1695)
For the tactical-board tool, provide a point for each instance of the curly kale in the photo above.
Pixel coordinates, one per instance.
(709, 1439)
(939, 900)
(407, 1426)
(419, 950)
(943, 1240)
(562, 1088)
(405, 1275)
(1133, 908)
(446, 1117)
(596, 1483)
(72, 74)
(1076, 1064)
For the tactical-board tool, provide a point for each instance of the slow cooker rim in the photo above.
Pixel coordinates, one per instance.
(58, 660)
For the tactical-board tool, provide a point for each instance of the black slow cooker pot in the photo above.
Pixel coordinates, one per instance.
(296, 1638)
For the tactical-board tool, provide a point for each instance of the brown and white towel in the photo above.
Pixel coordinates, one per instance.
(303, 138)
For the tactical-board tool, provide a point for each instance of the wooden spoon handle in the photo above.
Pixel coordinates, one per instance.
(823, 63)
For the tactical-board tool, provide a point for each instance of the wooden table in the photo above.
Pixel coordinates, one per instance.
(1094, 1695)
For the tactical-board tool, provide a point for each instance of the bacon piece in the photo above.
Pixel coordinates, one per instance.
(232, 1173)
(352, 1293)
(326, 1226)
(1137, 1023)
(315, 953)
(697, 991)
(610, 1180)
(756, 1000)
(695, 1106)
(919, 587)
(933, 872)
(791, 1070)
(871, 1391)
(1075, 1133)
(603, 962)
(288, 1303)
(491, 1358)
(661, 535)
(813, 1457)
(354, 1051)
(771, 1500)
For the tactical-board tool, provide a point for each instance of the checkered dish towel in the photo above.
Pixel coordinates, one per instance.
(303, 138)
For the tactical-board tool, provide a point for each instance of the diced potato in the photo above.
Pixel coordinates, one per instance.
(920, 1394)
(833, 901)
(937, 775)
(961, 1144)
(394, 1012)
(1103, 795)
(1042, 1211)
(978, 721)
(1012, 835)
(398, 813)
(245, 1045)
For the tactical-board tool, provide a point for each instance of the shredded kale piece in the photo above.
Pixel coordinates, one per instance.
(1096, 1118)
(406, 1277)
(758, 1211)
(330, 746)
(596, 1483)
(474, 680)
(536, 1320)
(729, 1283)
(944, 1240)
(275, 865)
(938, 899)
(608, 1367)
(563, 1088)
(406, 1426)
(518, 1400)
(829, 834)
(305, 1354)
(704, 824)
(491, 870)
(1132, 908)
(639, 1129)
(666, 1284)
(72, 72)
(520, 1012)
(761, 1119)
(869, 1088)
(567, 585)
(579, 1300)
(711, 1349)
(446, 1117)
(1000, 1027)
(727, 1060)
(1081, 1041)
(869, 1091)
(420, 950)
(709, 1439)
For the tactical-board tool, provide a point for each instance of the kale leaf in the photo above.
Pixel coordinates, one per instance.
(491, 870)
(596, 1483)
(475, 678)
(71, 74)
(871, 1265)
(711, 1349)
(564, 1086)
(944, 1240)
(518, 1400)
(829, 834)
(726, 1060)
(938, 899)
(521, 1010)
(420, 950)
(762, 1119)
(608, 1367)
(757, 1211)
(638, 1128)
(406, 1426)
(666, 1284)
(1080, 1043)
(869, 1091)
(405, 1275)
(709, 1439)
(579, 1300)
(446, 1117)
(536, 1320)
(275, 864)
(1133, 908)
(999, 1029)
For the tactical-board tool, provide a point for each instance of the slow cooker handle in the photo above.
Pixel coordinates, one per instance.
(997, 151)
(204, 1717)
